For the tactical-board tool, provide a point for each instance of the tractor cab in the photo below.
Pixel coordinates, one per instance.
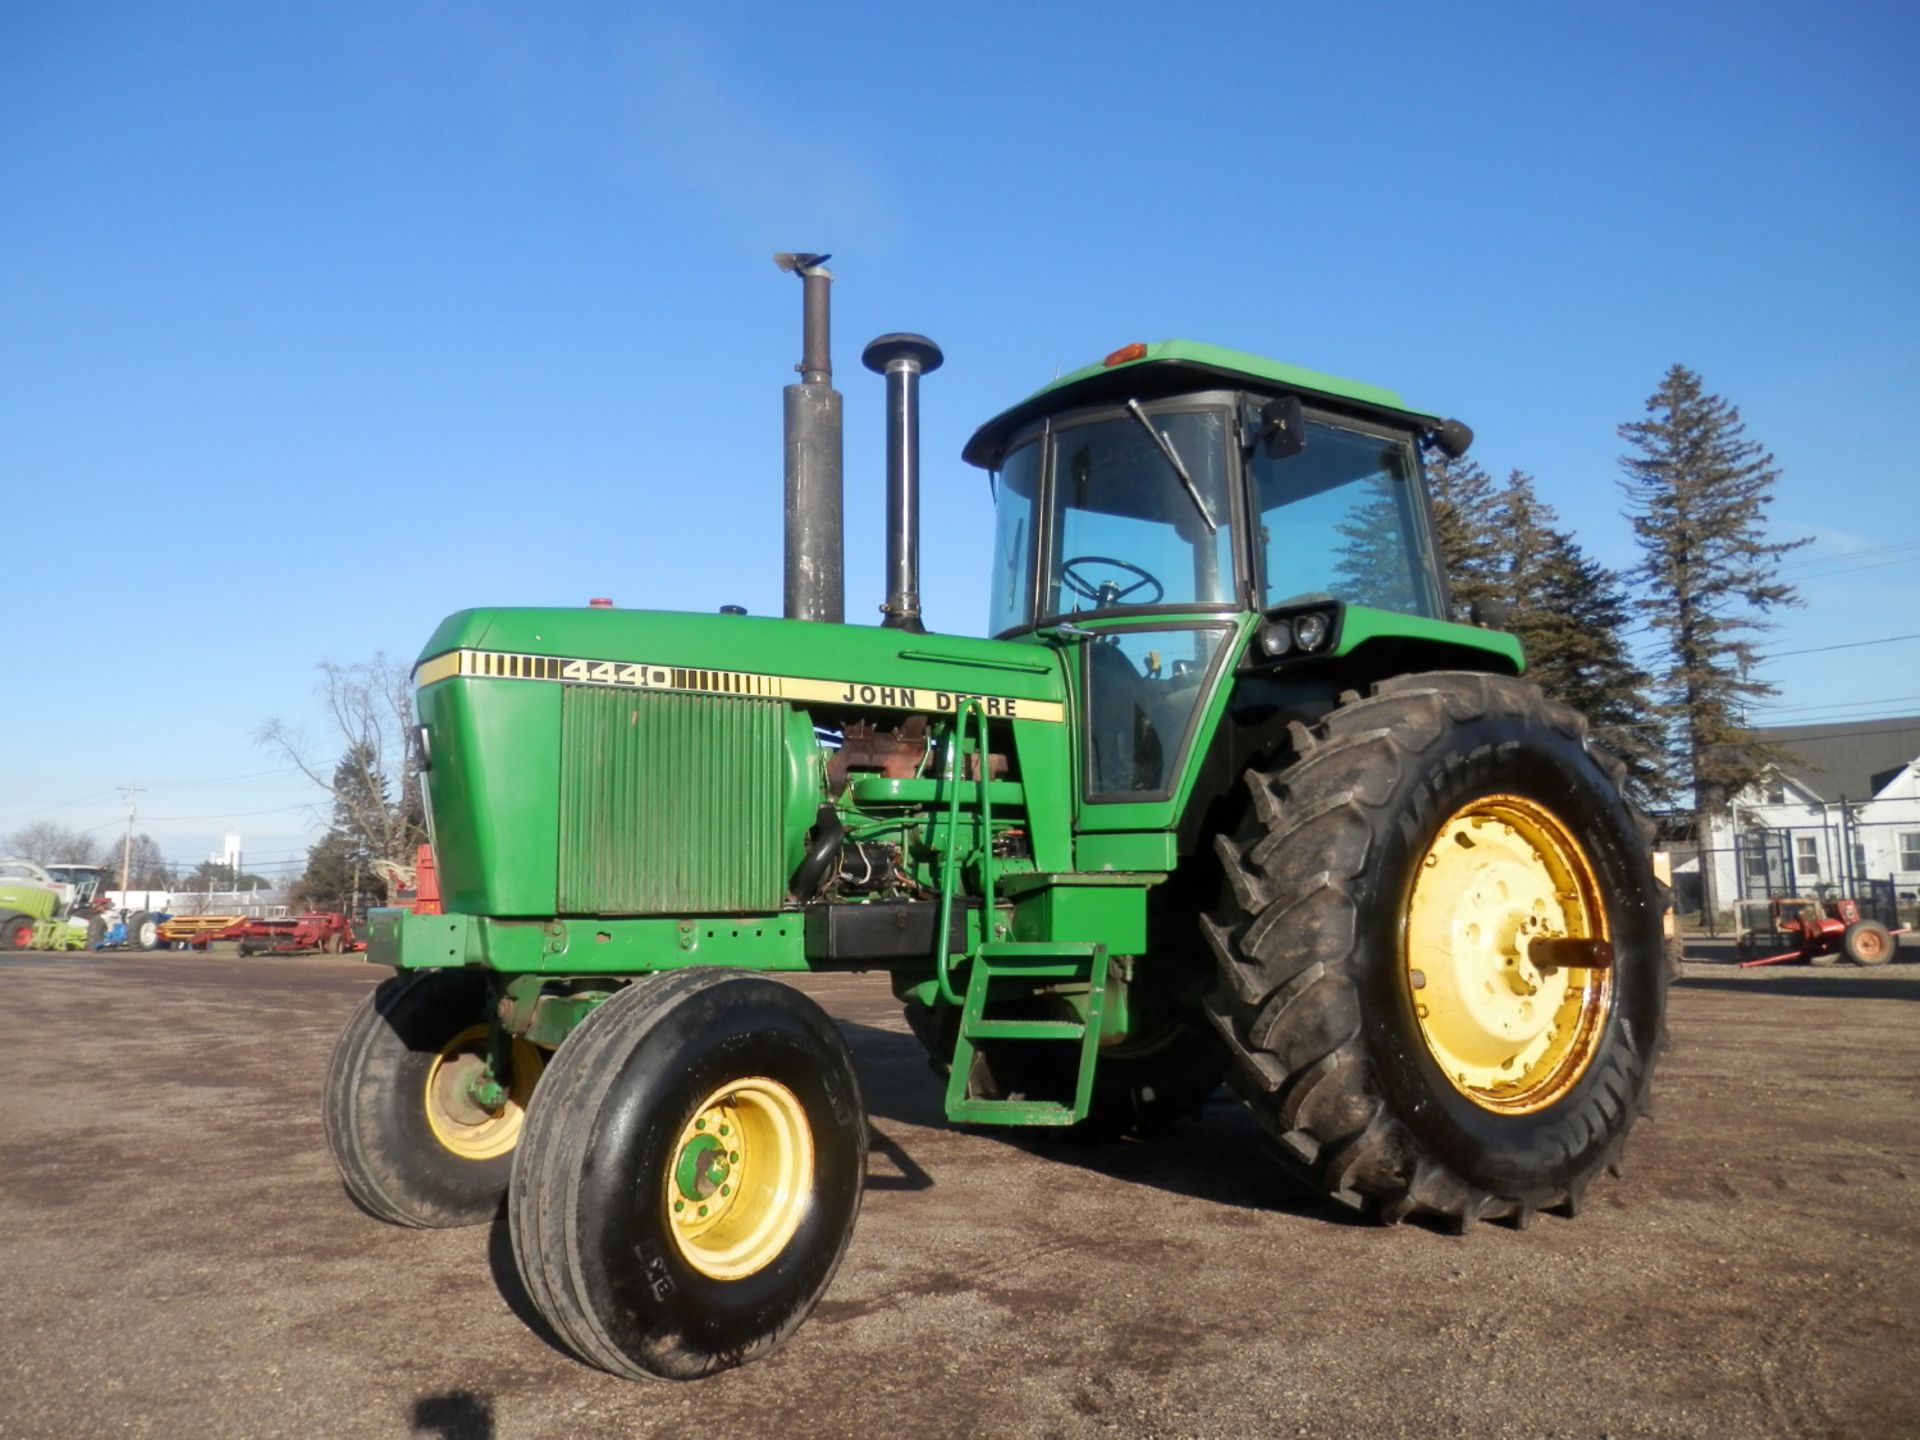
(1160, 499)
(78, 885)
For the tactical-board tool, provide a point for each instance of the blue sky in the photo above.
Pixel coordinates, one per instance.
(317, 324)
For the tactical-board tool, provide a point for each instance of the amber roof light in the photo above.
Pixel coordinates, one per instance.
(1126, 353)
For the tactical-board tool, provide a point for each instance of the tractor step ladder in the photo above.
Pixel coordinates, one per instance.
(1012, 970)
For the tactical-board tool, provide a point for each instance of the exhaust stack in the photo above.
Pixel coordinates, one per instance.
(815, 548)
(903, 359)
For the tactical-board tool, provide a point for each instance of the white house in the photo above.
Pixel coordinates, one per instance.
(1841, 816)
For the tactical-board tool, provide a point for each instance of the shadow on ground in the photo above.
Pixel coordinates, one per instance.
(453, 1415)
(1219, 1156)
(1811, 987)
(506, 1279)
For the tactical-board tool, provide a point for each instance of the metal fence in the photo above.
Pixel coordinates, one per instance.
(1846, 857)
(257, 904)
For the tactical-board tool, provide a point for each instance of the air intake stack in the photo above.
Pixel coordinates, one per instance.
(815, 586)
(903, 359)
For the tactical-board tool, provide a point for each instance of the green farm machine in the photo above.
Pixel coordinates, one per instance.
(1228, 797)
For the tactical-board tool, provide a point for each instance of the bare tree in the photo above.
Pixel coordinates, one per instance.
(46, 843)
(374, 774)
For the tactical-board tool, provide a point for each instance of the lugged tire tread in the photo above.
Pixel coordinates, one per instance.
(1287, 1006)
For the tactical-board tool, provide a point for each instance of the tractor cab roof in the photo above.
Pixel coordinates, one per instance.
(1170, 367)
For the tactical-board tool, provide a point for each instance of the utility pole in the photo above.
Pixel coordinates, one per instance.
(126, 847)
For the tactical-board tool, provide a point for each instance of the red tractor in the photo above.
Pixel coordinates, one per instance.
(1820, 932)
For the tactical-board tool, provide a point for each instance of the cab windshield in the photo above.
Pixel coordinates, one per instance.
(1341, 520)
(1127, 528)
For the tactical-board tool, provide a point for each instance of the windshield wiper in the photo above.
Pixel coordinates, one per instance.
(1179, 467)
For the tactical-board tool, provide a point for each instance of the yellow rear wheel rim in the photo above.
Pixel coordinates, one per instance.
(1510, 1035)
(739, 1178)
(458, 1120)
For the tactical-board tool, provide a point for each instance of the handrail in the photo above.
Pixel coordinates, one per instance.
(951, 772)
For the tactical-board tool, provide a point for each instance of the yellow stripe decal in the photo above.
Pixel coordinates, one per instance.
(859, 694)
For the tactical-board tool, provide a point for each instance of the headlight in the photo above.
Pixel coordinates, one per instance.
(1310, 630)
(1276, 640)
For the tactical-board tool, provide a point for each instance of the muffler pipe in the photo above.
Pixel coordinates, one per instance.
(903, 359)
(815, 549)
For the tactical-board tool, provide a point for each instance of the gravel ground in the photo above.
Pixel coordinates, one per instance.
(180, 1259)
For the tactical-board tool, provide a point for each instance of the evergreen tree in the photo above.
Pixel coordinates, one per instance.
(1697, 492)
(1372, 559)
(1472, 550)
(367, 826)
(378, 812)
(1572, 615)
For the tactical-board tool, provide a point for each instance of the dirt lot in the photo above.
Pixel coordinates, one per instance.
(180, 1260)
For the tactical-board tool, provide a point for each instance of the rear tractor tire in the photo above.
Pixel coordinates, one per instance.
(690, 1174)
(143, 932)
(1868, 942)
(413, 1144)
(1441, 966)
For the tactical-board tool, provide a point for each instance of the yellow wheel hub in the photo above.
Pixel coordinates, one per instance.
(459, 1120)
(740, 1179)
(1512, 1032)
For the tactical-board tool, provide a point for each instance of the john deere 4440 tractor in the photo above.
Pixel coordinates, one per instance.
(1229, 796)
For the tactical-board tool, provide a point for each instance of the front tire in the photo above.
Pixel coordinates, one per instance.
(653, 1247)
(1868, 942)
(412, 1144)
(1389, 900)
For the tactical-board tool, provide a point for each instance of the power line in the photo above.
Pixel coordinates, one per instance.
(1840, 570)
(224, 779)
(238, 814)
(63, 805)
(1776, 709)
(1844, 645)
(1809, 562)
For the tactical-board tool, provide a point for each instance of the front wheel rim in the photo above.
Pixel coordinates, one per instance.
(457, 1118)
(1511, 1035)
(740, 1178)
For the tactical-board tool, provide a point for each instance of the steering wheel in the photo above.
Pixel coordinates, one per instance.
(1107, 592)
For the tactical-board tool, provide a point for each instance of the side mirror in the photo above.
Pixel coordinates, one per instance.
(1490, 614)
(1282, 432)
(1451, 438)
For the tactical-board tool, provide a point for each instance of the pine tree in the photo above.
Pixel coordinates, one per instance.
(1572, 615)
(1371, 563)
(367, 827)
(1471, 548)
(1697, 492)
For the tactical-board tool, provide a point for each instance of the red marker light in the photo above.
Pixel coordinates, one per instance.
(1126, 353)
(600, 602)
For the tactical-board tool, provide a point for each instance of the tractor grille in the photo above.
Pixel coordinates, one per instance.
(669, 804)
